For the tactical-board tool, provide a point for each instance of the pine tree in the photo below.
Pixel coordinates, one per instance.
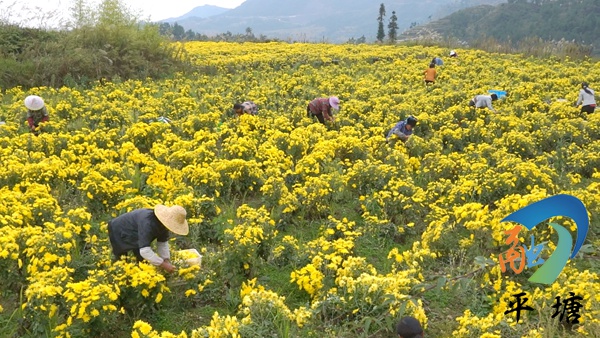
(393, 27)
(380, 30)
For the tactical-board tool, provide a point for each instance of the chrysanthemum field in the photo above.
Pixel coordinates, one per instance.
(306, 230)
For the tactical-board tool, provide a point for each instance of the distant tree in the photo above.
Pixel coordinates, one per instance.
(113, 13)
(82, 14)
(358, 41)
(178, 32)
(380, 18)
(190, 35)
(164, 29)
(393, 27)
(227, 36)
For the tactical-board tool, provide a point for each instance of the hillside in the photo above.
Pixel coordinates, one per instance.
(204, 11)
(513, 22)
(315, 20)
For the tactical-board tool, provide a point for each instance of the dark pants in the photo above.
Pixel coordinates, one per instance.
(588, 109)
(319, 116)
(119, 254)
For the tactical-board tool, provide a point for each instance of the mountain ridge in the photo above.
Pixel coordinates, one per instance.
(320, 20)
(203, 11)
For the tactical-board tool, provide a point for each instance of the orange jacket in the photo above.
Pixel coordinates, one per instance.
(430, 74)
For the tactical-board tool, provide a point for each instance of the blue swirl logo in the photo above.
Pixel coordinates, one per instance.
(532, 215)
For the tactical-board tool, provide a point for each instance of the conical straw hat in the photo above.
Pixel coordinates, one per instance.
(173, 218)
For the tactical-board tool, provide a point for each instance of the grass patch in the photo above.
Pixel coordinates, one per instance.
(10, 316)
(176, 319)
(375, 249)
(278, 280)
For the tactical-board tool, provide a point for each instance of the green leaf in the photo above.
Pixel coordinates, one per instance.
(418, 287)
(401, 310)
(441, 282)
(588, 249)
(454, 287)
(367, 323)
(483, 261)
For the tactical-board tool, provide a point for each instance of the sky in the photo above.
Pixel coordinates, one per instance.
(38, 13)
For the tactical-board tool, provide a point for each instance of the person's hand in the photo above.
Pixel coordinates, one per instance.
(166, 265)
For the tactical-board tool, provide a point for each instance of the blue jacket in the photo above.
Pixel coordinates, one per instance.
(400, 127)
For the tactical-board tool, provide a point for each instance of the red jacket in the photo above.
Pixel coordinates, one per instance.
(321, 105)
(34, 117)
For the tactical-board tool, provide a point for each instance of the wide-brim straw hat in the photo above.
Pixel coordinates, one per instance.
(173, 218)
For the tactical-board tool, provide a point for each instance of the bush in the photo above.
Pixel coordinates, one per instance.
(107, 43)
